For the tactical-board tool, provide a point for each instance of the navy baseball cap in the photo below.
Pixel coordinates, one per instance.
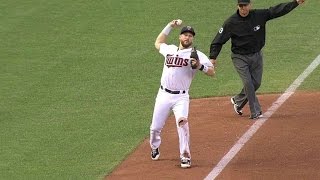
(243, 1)
(188, 29)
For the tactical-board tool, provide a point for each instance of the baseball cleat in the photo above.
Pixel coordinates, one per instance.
(155, 154)
(236, 108)
(185, 162)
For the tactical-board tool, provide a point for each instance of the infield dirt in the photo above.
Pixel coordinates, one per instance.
(287, 146)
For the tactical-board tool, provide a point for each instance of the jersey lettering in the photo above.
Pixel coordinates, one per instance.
(176, 61)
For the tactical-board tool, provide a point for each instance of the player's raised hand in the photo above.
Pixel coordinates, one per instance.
(300, 1)
(175, 23)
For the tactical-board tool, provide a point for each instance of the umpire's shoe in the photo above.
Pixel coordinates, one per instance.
(256, 116)
(155, 154)
(236, 108)
(185, 162)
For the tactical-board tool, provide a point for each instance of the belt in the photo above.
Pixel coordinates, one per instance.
(172, 92)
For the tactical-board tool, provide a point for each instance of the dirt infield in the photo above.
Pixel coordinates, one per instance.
(287, 146)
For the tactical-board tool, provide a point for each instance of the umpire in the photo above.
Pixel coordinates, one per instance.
(246, 28)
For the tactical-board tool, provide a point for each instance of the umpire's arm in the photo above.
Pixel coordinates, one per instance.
(219, 40)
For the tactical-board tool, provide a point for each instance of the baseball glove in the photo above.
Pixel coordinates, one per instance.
(194, 58)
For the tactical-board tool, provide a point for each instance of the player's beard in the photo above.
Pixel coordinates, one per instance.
(186, 44)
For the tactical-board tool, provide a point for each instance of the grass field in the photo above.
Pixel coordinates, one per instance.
(78, 79)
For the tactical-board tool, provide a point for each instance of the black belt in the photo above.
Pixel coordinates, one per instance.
(172, 92)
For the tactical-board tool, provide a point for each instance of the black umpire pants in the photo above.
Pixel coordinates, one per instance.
(249, 68)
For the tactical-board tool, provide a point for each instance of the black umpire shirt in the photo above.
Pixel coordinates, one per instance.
(247, 33)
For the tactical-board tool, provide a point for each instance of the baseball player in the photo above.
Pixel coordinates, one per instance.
(178, 71)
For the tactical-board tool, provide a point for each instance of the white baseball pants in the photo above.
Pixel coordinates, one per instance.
(179, 104)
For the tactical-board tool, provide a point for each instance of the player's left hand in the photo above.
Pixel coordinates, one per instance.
(195, 64)
(300, 1)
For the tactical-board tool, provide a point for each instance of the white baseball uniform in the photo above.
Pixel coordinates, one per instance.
(173, 94)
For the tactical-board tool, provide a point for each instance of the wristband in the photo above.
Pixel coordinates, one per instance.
(204, 68)
(167, 30)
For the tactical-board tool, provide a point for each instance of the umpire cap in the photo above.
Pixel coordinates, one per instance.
(243, 1)
(188, 29)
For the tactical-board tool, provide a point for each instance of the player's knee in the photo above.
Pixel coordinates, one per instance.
(182, 122)
(155, 131)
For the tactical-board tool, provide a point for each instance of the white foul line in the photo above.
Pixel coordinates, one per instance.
(254, 128)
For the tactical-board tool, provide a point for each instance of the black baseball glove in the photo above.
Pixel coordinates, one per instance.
(194, 58)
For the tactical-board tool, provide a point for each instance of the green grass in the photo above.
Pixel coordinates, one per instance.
(78, 79)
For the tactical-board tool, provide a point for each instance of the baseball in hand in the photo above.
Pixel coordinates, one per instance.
(178, 22)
